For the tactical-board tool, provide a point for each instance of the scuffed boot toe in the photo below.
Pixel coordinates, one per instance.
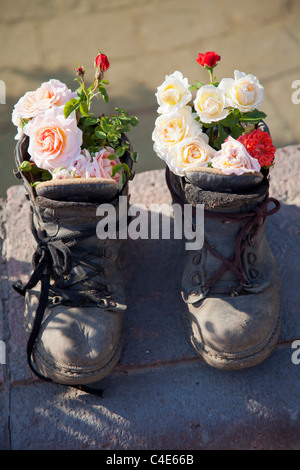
(230, 335)
(78, 345)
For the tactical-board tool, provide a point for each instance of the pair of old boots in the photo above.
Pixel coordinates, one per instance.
(75, 300)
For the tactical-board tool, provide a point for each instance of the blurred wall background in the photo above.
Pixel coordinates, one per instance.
(145, 40)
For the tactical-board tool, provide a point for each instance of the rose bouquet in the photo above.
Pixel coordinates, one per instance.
(221, 128)
(65, 140)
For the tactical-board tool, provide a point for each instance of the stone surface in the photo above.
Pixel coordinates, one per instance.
(146, 40)
(160, 395)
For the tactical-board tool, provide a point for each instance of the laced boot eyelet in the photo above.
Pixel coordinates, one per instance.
(56, 300)
(196, 279)
(251, 258)
(253, 273)
(197, 258)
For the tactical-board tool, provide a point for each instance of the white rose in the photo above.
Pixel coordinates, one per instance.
(189, 153)
(233, 158)
(210, 104)
(172, 128)
(244, 92)
(173, 93)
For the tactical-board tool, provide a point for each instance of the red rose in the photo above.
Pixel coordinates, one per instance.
(259, 145)
(101, 62)
(209, 59)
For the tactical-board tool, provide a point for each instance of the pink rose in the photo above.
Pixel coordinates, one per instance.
(35, 103)
(99, 166)
(102, 166)
(233, 158)
(54, 141)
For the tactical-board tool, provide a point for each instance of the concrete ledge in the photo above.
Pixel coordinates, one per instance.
(160, 395)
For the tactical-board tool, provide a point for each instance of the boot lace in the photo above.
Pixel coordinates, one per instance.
(53, 260)
(252, 221)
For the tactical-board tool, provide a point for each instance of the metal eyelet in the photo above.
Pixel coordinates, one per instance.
(253, 273)
(197, 258)
(103, 303)
(196, 279)
(251, 257)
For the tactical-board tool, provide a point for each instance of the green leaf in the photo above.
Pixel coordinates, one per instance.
(112, 156)
(105, 125)
(236, 131)
(121, 111)
(196, 86)
(71, 106)
(46, 175)
(113, 137)
(253, 116)
(90, 121)
(103, 92)
(25, 166)
(100, 135)
(208, 126)
(81, 93)
(126, 168)
(134, 156)
(34, 185)
(221, 137)
(35, 170)
(230, 120)
(118, 167)
(124, 119)
(120, 152)
(84, 108)
(122, 180)
(134, 121)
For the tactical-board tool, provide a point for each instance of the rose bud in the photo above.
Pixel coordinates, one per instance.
(209, 59)
(80, 71)
(101, 62)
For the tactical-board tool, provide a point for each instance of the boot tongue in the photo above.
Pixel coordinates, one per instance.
(211, 179)
(78, 189)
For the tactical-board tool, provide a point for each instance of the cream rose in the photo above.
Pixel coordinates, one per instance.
(210, 104)
(61, 173)
(233, 158)
(172, 128)
(173, 93)
(35, 103)
(189, 153)
(244, 92)
(54, 141)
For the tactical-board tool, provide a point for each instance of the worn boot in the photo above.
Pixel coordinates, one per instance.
(75, 301)
(231, 285)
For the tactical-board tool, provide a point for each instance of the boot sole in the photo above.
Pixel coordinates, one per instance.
(230, 361)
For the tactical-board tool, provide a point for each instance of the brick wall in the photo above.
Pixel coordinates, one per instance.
(145, 40)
